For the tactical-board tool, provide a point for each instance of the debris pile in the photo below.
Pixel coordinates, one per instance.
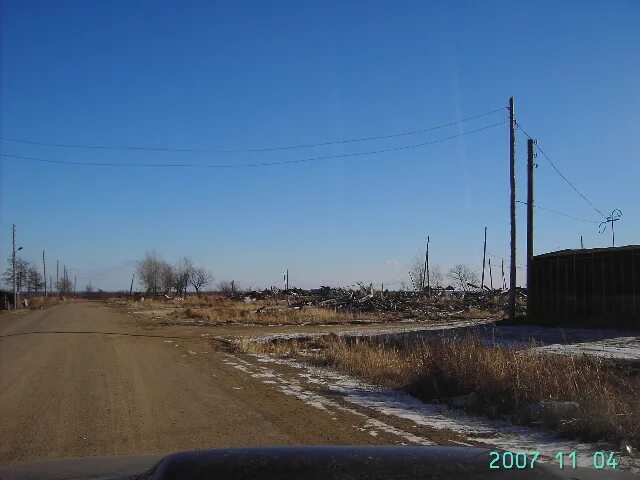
(444, 303)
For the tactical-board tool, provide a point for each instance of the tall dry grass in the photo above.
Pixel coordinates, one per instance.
(505, 380)
(217, 309)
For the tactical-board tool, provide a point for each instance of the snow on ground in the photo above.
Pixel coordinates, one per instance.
(496, 433)
(622, 348)
(381, 330)
(609, 343)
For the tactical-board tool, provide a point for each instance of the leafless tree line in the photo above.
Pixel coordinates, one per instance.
(158, 276)
(459, 274)
(28, 277)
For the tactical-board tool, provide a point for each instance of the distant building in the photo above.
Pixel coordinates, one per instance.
(598, 287)
(6, 299)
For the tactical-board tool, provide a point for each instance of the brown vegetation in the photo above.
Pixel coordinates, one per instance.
(220, 310)
(500, 381)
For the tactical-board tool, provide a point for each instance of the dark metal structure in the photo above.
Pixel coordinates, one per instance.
(6, 299)
(597, 287)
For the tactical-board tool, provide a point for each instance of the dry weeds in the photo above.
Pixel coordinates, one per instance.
(505, 380)
(220, 310)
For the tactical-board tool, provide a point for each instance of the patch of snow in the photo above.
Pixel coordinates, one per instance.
(497, 433)
(622, 348)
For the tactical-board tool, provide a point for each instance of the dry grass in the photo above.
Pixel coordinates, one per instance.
(505, 380)
(38, 303)
(220, 310)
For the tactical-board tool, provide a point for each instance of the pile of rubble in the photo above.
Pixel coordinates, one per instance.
(440, 304)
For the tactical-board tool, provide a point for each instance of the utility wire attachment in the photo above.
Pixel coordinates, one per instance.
(614, 217)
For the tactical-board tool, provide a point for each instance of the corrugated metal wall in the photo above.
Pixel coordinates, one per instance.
(599, 287)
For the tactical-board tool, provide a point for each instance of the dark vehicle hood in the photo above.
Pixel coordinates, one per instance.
(441, 463)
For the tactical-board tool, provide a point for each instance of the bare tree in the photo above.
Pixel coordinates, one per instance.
(435, 277)
(64, 285)
(167, 277)
(463, 276)
(88, 288)
(183, 273)
(228, 288)
(149, 272)
(416, 273)
(34, 280)
(22, 273)
(200, 277)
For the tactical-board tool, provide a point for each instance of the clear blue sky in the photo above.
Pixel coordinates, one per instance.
(237, 75)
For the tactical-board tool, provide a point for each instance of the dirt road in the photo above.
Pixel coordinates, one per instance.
(82, 379)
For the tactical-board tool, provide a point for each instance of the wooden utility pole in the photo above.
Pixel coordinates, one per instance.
(131, 288)
(504, 283)
(530, 158)
(57, 276)
(44, 274)
(13, 267)
(425, 272)
(74, 285)
(581, 243)
(484, 257)
(490, 276)
(512, 203)
(287, 281)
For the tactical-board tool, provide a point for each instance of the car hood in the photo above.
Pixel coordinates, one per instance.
(437, 463)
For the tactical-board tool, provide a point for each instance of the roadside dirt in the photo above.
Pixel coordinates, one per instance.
(82, 379)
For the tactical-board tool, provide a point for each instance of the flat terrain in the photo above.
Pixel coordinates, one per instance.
(82, 379)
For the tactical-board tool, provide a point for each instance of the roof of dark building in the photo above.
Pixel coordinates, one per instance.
(589, 251)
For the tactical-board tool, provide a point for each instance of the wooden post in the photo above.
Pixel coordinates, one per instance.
(490, 276)
(44, 274)
(484, 257)
(530, 157)
(13, 273)
(512, 202)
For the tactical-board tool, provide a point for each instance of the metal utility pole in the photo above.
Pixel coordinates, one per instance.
(44, 273)
(530, 158)
(13, 267)
(512, 203)
(484, 257)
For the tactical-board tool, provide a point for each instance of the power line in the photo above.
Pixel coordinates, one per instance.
(559, 213)
(243, 165)
(562, 175)
(248, 150)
